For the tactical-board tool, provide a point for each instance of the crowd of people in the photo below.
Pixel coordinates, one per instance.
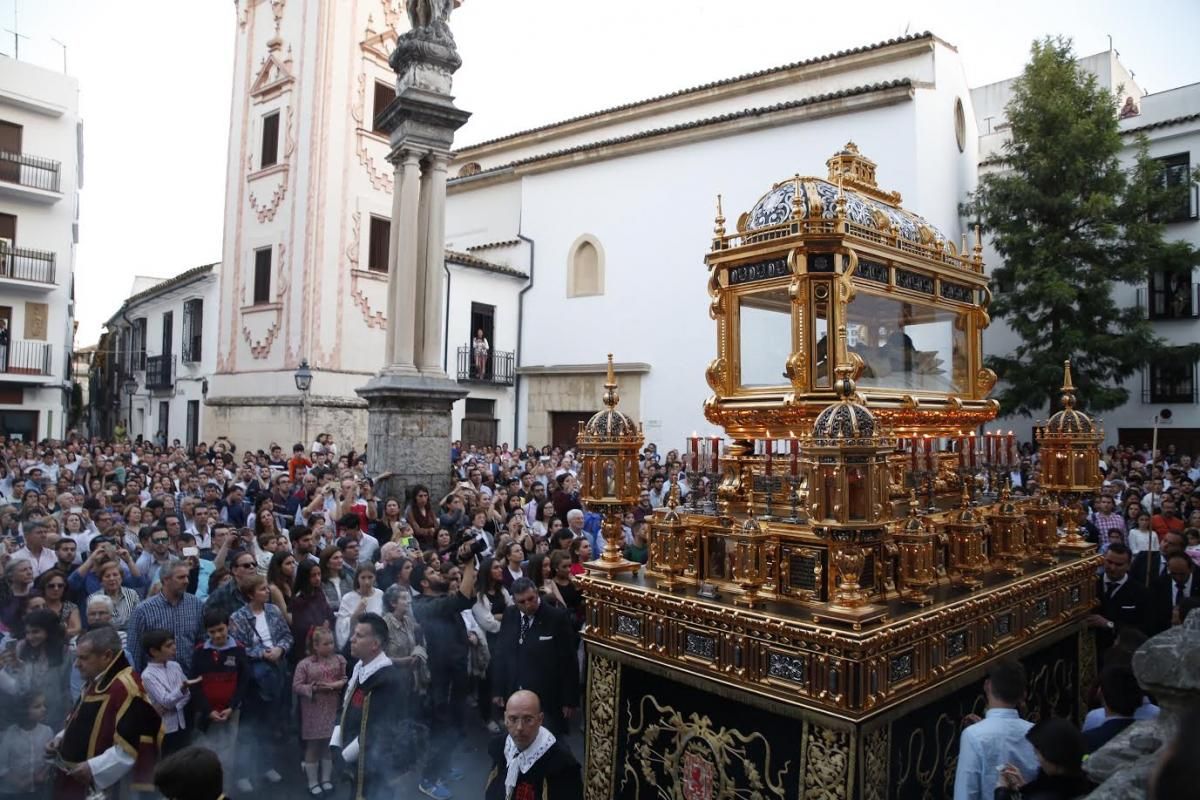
(258, 600)
(274, 608)
(1145, 520)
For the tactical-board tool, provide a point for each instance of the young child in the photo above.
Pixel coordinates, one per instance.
(23, 767)
(1143, 536)
(167, 687)
(221, 666)
(319, 681)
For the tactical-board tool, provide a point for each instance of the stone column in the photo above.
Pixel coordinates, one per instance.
(405, 233)
(422, 269)
(429, 359)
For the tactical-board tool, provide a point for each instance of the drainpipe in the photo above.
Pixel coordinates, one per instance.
(520, 334)
(446, 322)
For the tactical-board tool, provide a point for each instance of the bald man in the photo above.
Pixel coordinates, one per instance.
(529, 763)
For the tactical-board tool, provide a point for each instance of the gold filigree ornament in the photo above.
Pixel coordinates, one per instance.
(688, 758)
(603, 684)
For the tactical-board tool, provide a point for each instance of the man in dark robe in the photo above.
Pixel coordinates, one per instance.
(373, 738)
(529, 763)
(113, 731)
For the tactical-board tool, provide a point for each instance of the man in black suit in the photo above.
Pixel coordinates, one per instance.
(1181, 580)
(1167, 544)
(1123, 601)
(535, 650)
(1122, 695)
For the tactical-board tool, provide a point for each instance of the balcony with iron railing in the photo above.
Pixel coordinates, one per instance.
(498, 367)
(33, 267)
(1170, 381)
(30, 177)
(21, 358)
(1180, 300)
(160, 372)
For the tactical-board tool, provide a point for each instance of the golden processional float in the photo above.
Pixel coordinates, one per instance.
(818, 624)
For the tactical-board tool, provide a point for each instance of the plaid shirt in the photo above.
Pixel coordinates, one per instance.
(185, 619)
(1107, 522)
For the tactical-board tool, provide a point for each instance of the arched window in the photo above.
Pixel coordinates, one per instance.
(585, 270)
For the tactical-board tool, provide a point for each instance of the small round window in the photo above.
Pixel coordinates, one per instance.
(960, 125)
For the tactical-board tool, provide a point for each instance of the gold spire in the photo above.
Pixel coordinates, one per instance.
(719, 222)
(1068, 388)
(797, 205)
(611, 398)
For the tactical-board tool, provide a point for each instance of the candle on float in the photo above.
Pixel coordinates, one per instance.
(768, 450)
(928, 454)
(716, 451)
(971, 441)
(1012, 456)
(694, 451)
(912, 450)
(703, 455)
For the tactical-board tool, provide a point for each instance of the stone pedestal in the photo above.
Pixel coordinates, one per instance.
(1167, 667)
(408, 432)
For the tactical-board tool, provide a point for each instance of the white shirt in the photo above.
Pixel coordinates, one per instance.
(43, 562)
(263, 628)
(349, 605)
(1140, 541)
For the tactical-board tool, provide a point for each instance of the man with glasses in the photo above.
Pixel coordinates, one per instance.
(235, 593)
(155, 557)
(529, 761)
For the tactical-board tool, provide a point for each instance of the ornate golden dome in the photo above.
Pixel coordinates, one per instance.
(847, 419)
(1069, 420)
(852, 177)
(610, 423)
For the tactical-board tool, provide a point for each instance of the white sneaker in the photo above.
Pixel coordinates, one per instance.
(272, 776)
(244, 786)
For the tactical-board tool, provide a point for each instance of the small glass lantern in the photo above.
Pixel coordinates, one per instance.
(1043, 529)
(1007, 535)
(608, 445)
(917, 545)
(669, 545)
(1070, 454)
(965, 533)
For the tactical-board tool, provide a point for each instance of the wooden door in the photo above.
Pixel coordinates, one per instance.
(10, 145)
(479, 432)
(564, 427)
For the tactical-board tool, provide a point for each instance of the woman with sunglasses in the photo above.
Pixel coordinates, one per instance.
(53, 586)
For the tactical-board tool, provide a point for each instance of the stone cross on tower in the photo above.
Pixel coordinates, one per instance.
(409, 400)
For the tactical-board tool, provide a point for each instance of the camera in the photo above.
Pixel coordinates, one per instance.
(477, 547)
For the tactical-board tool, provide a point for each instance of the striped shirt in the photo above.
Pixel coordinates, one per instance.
(184, 619)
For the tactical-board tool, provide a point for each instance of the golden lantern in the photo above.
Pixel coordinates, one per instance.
(917, 546)
(1069, 443)
(965, 533)
(846, 463)
(669, 543)
(1007, 539)
(608, 445)
(753, 546)
(1043, 529)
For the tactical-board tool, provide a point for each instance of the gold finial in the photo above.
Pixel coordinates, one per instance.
(914, 505)
(797, 205)
(1068, 388)
(962, 253)
(966, 494)
(611, 398)
(841, 199)
(978, 244)
(719, 222)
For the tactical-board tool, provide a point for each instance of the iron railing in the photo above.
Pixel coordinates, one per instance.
(20, 357)
(160, 372)
(192, 348)
(32, 171)
(1170, 383)
(497, 367)
(25, 264)
(1180, 301)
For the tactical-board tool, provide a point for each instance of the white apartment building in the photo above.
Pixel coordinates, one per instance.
(1170, 121)
(163, 345)
(41, 173)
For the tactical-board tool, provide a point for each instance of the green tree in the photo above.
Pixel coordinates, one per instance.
(1071, 222)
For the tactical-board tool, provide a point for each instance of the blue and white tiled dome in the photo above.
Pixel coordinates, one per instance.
(818, 197)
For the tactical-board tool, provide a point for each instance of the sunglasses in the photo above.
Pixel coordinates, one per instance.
(160, 539)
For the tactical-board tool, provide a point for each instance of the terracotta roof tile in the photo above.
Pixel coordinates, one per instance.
(468, 260)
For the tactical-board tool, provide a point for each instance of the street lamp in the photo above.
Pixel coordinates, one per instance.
(131, 387)
(303, 377)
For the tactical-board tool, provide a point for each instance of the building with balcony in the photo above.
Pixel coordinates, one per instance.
(41, 157)
(1168, 389)
(154, 361)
